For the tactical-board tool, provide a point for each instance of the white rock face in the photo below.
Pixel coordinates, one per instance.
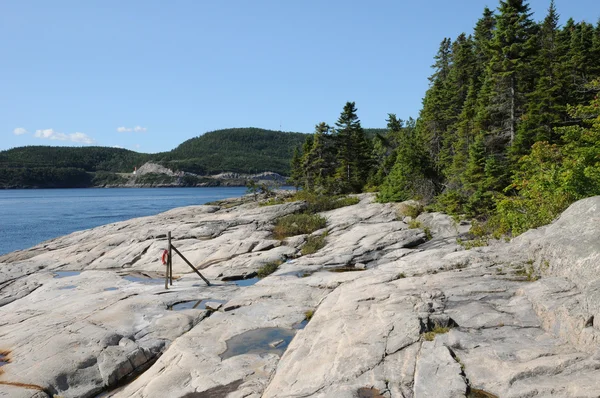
(417, 318)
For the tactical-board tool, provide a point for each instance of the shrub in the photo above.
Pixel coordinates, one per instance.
(268, 268)
(314, 243)
(414, 224)
(296, 224)
(429, 336)
(309, 314)
(410, 210)
(318, 203)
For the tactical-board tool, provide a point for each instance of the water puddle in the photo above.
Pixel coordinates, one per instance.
(259, 341)
(68, 287)
(3, 359)
(65, 274)
(300, 325)
(110, 289)
(246, 282)
(297, 274)
(369, 393)
(193, 304)
(145, 278)
(216, 392)
(345, 269)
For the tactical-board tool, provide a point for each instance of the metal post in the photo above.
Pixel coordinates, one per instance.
(190, 264)
(168, 261)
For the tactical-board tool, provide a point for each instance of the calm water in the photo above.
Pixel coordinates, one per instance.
(28, 217)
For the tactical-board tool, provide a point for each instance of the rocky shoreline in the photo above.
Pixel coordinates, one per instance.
(84, 314)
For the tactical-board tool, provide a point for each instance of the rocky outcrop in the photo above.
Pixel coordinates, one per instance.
(85, 313)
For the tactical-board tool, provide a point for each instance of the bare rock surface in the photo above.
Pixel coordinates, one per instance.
(84, 314)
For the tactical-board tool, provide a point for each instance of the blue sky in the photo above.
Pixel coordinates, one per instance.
(147, 75)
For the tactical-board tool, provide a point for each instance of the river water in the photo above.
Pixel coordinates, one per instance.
(31, 216)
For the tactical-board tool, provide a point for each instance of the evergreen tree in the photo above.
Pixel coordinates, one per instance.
(509, 71)
(436, 115)
(544, 106)
(412, 174)
(319, 160)
(353, 158)
(296, 169)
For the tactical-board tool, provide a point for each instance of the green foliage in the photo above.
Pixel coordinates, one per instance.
(414, 224)
(411, 176)
(106, 178)
(297, 224)
(314, 243)
(155, 179)
(247, 150)
(429, 336)
(268, 268)
(240, 150)
(309, 314)
(86, 158)
(335, 160)
(49, 177)
(410, 211)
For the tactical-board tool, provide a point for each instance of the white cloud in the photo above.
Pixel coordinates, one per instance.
(117, 146)
(19, 131)
(50, 134)
(81, 138)
(136, 129)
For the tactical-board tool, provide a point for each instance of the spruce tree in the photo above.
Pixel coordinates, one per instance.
(544, 105)
(509, 71)
(353, 158)
(296, 169)
(436, 115)
(411, 176)
(320, 160)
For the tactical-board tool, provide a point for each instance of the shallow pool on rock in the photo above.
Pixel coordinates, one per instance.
(193, 304)
(141, 278)
(246, 282)
(259, 341)
(3, 359)
(65, 274)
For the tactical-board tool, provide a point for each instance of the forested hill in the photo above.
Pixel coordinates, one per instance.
(241, 150)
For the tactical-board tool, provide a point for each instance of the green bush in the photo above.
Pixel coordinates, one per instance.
(314, 243)
(297, 224)
(429, 336)
(409, 210)
(268, 268)
(318, 203)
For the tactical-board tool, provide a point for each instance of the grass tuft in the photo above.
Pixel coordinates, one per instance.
(314, 243)
(297, 224)
(308, 315)
(429, 336)
(268, 268)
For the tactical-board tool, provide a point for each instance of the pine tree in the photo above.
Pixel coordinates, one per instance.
(320, 162)
(412, 175)
(436, 115)
(458, 85)
(296, 169)
(353, 158)
(545, 109)
(308, 178)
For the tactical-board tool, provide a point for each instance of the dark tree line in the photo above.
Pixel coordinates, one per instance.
(510, 119)
(334, 160)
